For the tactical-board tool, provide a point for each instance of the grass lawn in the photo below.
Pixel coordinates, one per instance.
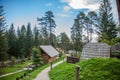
(13, 76)
(91, 69)
(13, 68)
(30, 75)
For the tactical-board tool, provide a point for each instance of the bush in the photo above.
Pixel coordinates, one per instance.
(13, 59)
(77, 55)
(36, 57)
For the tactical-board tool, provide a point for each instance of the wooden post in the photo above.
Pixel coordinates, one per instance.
(63, 59)
(77, 72)
(51, 65)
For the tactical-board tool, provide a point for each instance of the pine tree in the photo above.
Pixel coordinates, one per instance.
(76, 35)
(22, 41)
(29, 40)
(51, 24)
(64, 41)
(3, 40)
(12, 50)
(54, 38)
(93, 22)
(107, 26)
(77, 31)
(36, 37)
(48, 24)
(18, 43)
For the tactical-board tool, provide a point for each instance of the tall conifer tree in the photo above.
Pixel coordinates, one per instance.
(3, 40)
(107, 26)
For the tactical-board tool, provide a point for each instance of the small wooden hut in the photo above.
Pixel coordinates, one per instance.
(48, 53)
(92, 50)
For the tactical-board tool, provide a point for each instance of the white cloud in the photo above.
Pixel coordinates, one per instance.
(66, 8)
(92, 5)
(48, 4)
(81, 4)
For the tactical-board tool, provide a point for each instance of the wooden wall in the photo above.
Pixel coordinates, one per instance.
(45, 57)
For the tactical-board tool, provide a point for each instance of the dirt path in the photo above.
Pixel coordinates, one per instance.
(44, 74)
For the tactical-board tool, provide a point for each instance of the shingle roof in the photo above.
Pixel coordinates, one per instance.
(48, 49)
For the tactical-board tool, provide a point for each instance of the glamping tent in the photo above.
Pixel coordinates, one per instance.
(92, 50)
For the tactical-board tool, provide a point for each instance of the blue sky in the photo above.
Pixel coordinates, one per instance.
(21, 12)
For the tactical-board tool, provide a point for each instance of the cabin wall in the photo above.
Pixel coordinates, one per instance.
(45, 57)
(52, 59)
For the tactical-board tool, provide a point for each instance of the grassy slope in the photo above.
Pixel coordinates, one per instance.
(13, 68)
(13, 76)
(91, 69)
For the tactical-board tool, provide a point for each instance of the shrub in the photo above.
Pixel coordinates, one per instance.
(36, 57)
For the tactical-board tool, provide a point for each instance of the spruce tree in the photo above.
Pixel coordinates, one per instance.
(22, 42)
(36, 37)
(3, 40)
(29, 40)
(11, 36)
(18, 42)
(107, 26)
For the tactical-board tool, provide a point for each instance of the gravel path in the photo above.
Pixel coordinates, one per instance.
(43, 75)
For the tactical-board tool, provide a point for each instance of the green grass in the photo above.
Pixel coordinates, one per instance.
(38, 70)
(91, 69)
(30, 74)
(13, 68)
(13, 76)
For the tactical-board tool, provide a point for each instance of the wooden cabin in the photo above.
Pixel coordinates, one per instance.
(48, 53)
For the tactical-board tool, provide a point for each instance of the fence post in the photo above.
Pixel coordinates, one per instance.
(63, 59)
(51, 65)
(77, 72)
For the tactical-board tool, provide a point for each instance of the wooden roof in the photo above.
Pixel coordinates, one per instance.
(50, 50)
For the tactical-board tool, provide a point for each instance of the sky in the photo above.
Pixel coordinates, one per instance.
(21, 12)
